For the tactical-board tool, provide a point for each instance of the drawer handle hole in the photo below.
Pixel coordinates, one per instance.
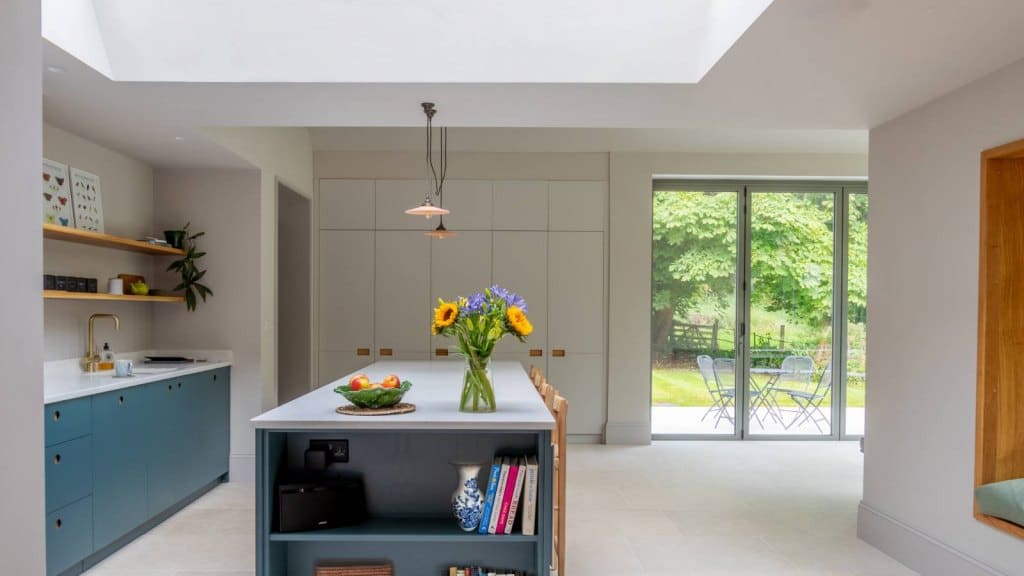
(56, 458)
(214, 376)
(170, 387)
(59, 523)
(120, 399)
(179, 384)
(56, 415)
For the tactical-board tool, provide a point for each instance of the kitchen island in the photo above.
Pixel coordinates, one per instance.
(405, 463)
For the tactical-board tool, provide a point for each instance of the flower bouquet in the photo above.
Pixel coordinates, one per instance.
(478, 322)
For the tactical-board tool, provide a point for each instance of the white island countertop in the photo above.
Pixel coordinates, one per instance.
(436, 387)
(64, 379)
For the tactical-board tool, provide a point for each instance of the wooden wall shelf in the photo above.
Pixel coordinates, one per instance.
(62, 295)
(999, 435)
(77, 236)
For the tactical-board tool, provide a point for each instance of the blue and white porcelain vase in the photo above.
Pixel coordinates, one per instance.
(467, 501)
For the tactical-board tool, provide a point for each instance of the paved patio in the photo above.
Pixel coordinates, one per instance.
(683, 420)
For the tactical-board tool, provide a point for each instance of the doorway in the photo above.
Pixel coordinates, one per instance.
(294, 297)
(758, 309)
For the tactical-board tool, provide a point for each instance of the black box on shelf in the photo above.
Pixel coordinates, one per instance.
(92, 285)
(49, 282)
(318, 502)
(83, 284)
(60, 283)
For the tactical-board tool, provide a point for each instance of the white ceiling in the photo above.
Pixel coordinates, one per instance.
(805, 74)
(526, 41)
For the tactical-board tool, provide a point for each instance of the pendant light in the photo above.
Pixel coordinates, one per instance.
(436, 184)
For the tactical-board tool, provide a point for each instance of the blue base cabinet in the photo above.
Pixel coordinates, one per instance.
(118, 462)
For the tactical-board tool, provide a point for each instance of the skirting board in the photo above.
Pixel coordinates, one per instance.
(242, 468)
(628, 433)
(915, 549)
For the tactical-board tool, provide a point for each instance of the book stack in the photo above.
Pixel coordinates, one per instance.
(511, 494)
(478, 571)
(366, 570)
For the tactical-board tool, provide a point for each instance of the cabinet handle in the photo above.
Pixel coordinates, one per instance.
(58, 523)
(362, 351)
(441, 352)
(170, 386)
(120, 400)
(536, 352)
(558, 353)
(385, 351)
(56, 415)
(215, 377)
(56, 458)
(179, 384)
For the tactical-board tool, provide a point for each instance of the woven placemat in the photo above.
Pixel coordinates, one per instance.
(353, 410)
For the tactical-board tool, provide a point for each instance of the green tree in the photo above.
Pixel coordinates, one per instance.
(694, 256)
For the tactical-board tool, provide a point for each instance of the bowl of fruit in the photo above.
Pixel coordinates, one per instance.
(366, 394)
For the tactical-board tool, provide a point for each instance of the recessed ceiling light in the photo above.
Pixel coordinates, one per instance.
(55, 69)
(179, 138)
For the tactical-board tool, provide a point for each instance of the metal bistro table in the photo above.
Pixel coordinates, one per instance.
(764, 394)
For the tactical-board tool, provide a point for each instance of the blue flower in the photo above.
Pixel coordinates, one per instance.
(510, 298)
(476, 303)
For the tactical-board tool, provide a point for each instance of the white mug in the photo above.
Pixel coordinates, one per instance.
(115, 286)
(123, 368)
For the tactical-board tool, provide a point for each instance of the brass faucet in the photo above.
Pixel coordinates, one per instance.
(91, 361)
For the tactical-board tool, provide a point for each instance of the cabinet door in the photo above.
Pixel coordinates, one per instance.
(169, 442)
(402, 297)
(394, 197)
(520, 265)
(470, 203)
(576, 292)
(521, 205)
(119, 463)
(346, 204)
(577, 206)
(210, 401)
(459, 266)
(525, 360)
(580, 378)
(346, 302)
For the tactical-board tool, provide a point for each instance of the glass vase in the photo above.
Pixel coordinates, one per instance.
(477, 386)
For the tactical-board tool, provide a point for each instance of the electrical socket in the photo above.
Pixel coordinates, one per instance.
(337, 450)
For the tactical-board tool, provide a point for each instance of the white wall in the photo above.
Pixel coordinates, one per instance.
(922, 336)
(224, 204)
(282, 155)
(21, 342)
(294, 288)
(127, 190)
(631, 208)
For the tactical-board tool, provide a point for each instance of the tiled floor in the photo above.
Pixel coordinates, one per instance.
(674, 508)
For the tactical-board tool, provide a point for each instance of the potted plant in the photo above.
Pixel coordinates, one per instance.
(190, 273)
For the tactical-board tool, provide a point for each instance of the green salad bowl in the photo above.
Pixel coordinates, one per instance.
(374, 397)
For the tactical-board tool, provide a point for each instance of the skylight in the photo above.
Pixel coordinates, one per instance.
(408, 41)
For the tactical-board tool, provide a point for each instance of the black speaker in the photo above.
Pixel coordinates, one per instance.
(319, 503)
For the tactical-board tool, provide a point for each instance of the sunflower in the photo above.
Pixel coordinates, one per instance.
(518, 321)
(445, 314)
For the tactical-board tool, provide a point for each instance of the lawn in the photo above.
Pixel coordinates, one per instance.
(684, 387)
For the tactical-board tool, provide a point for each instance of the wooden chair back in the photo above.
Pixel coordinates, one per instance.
(560, 410)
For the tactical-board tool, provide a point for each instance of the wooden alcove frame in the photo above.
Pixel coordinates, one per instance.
(999, 437)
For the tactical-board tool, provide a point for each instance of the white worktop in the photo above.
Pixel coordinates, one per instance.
(436, 387)
(64, 379)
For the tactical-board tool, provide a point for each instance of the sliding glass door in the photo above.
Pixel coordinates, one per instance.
(695, 341)
(758, 309)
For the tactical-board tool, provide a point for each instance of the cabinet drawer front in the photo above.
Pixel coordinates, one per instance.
(68, 420)
(68, 472)
(68, 536)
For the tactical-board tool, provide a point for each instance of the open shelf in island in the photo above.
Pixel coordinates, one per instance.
(406, 467)
(63, 295)
(399, 530)
(74, 235)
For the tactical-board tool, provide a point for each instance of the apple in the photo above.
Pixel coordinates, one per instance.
(359, 382)
(391, 381)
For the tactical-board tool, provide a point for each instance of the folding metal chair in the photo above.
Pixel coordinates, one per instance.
(707, 371)
(795, 377)
(809, 403)
(725, 380)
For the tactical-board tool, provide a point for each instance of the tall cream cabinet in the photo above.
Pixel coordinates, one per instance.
(380, 276)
